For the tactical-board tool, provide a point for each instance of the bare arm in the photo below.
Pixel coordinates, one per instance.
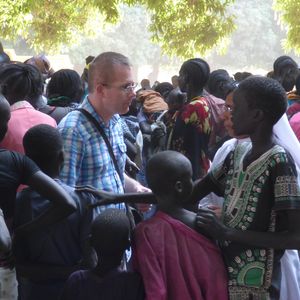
(106, 198)
(62, 205)
(202, 188)
(289, 239)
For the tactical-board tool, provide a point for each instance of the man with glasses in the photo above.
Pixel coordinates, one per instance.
(87, 158)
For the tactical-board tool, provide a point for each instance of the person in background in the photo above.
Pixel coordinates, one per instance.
(192, 127)
(64, 93)
(22, 85)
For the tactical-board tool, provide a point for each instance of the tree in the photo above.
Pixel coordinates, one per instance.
(289, 12)
(256, 42)
(181, 27)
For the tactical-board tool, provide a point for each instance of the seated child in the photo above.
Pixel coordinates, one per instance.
(110, 238)
(176, 261)
(46, 258)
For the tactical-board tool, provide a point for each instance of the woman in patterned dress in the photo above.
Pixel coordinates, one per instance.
(258, 179)
(191, 129)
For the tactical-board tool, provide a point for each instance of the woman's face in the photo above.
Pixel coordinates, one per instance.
(227, 117)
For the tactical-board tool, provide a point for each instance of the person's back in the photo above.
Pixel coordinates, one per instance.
(110, 238)
(192, 128)
(64, 92)
(23, 83)
(43, 267)
(176, 261)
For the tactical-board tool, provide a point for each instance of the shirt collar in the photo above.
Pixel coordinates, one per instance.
(20, 105)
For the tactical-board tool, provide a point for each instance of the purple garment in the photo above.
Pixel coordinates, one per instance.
(116, 285)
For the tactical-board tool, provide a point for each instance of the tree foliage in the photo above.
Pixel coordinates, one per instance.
(181, 27)
(289, 12)
(256, 42)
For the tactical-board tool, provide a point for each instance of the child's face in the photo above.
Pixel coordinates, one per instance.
(187, 184)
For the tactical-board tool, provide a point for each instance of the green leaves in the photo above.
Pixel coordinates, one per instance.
(182, 27)
(289, 15)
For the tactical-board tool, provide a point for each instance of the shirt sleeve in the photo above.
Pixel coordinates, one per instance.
(25, 166)
(286, 186)
(73, 155)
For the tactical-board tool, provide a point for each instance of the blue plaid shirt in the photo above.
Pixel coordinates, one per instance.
(87, 160)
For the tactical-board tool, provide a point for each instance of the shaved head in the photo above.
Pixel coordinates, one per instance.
(164, 169)
(102, 68)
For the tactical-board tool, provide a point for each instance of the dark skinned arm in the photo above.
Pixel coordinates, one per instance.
(62, 205)
(289, 239)
(202, 188)
(106, 198)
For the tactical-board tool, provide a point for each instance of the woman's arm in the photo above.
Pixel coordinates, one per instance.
(289, 239)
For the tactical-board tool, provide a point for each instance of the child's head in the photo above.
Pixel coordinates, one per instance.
(169, 175)
(176, 99)
(110, 234)
(257, 99)
(44, 145)
(4, 116)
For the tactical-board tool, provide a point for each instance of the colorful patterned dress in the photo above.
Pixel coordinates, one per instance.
(190, 134)
(255, 199)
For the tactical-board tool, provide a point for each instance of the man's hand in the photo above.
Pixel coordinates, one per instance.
(133, 186)
(209, 221)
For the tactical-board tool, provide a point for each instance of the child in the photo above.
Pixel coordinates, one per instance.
(46, 258)
(175, 261)
(258, 180)
(110, 238)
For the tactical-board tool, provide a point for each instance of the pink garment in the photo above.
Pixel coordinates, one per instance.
(178, 263)
(23, 117)
(295, 124)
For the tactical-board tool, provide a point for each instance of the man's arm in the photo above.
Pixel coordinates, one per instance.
(289, 239)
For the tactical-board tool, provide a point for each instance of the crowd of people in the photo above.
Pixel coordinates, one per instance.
(186, 189)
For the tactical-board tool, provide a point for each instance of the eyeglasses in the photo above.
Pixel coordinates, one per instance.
(228, 108)
(126, 88)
